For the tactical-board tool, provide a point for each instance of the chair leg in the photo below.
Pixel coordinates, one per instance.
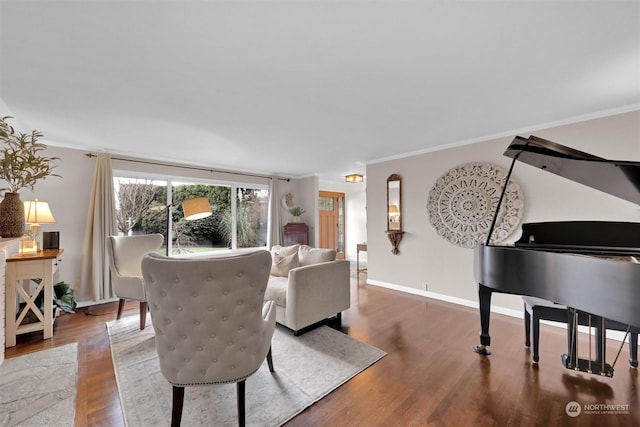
(120, 307)
(270, 361)
(178, 400)
(143, 314)
(240, 392)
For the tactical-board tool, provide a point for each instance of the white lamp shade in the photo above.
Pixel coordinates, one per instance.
(37, 212)
(197, 208)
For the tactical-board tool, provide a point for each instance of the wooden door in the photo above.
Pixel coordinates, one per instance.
(332, 224)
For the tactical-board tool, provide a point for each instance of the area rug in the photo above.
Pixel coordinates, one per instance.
(307, 368)
(39, 389)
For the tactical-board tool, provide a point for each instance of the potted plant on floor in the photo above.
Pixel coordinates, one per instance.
(63, 300)
(21, 166)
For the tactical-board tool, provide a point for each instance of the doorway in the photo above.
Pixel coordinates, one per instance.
(331, 206)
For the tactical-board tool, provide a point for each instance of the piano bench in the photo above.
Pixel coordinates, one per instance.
(536, 309)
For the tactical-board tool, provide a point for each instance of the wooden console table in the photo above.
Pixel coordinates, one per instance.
(24, 272)
(360, 247)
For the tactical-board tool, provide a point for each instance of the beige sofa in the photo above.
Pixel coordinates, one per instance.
(308, 285)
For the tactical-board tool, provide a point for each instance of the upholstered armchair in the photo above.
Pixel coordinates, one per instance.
(125, 256)
(211, 321)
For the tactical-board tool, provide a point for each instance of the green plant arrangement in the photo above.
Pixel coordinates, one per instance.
(21, 164)
(296, 211)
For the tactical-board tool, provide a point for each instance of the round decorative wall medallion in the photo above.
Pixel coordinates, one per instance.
(462, 203)
(287, 201)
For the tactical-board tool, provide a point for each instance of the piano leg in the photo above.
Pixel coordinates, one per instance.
(484, 297)
(568, 359)
(633, 349)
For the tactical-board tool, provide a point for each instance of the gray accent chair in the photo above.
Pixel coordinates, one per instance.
(125, 255)
(211, 321)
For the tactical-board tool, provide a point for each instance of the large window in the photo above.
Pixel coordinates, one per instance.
(238, 220)
(251, 217)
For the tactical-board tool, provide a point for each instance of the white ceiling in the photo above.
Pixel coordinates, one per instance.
(309, 86)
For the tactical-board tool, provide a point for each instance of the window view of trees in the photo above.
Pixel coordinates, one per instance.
(142, 208)
(251, 214)
(133, 198)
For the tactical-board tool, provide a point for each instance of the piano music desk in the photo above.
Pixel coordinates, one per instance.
(536, 309)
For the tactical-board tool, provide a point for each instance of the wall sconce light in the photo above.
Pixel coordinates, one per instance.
(35, 213)
(354, 177)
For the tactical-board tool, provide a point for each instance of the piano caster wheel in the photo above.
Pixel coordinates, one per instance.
(481, 349)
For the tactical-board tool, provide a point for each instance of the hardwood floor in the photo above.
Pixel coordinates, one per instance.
(430, 375)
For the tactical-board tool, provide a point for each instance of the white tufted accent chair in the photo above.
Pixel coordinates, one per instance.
(125, 255)
(211, 321)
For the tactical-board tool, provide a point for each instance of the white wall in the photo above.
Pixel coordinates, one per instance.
(303, 191)
(426, 258)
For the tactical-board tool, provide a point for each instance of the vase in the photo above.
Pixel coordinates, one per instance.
(11, 216)
(297, 219)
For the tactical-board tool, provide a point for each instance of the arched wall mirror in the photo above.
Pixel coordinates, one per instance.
(394, 211)
(394, 203)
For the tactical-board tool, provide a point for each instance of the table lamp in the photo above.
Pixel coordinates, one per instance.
(35, 213)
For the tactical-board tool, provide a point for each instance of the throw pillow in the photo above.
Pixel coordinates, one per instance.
(284, 250)
(309, 255)
(282, 264)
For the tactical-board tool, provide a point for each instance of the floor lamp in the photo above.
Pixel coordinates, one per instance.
(196, 208)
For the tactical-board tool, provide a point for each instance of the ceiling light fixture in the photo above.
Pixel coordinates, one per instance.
(354, 177)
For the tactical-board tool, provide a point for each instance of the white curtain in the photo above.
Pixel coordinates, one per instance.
(95, 283)
(274, 228)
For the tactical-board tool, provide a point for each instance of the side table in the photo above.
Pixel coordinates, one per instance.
(360, 247)
(25, 272)
(296, 233)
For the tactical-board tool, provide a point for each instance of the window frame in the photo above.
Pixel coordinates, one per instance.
(175, 180)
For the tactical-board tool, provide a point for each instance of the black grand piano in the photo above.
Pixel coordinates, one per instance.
(592, 267)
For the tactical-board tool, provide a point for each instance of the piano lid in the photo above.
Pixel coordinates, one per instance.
(618, 178)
